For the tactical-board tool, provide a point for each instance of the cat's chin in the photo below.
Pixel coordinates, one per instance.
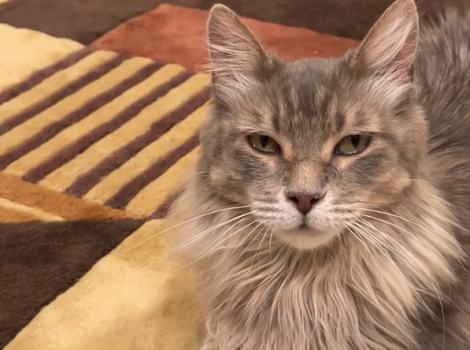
(306, 239)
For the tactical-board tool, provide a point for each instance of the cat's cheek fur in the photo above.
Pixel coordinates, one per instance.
(243, 176)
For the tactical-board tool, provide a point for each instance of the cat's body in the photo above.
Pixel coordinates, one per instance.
(443, 81)
(380, 263)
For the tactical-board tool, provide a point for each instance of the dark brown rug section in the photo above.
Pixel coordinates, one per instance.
(39, 261)
(87, 20)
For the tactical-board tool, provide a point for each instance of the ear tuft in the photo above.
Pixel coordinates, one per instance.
(235, 54)
(391, 44)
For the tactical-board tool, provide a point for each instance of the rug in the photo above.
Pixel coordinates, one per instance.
(100, 108)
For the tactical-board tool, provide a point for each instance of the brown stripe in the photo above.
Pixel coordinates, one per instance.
(164, 209)
(39, 261)
(59, 95)
(53, 129)
(133, 187)
(8, 5)
(38, 77)
(68, 153)
(87, 181)
(55, 203)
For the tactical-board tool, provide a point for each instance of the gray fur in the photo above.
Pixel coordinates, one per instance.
(380, 262)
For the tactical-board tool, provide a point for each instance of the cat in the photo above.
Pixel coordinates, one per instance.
(329, 206)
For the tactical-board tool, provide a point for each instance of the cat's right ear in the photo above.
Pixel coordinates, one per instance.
(236, 56)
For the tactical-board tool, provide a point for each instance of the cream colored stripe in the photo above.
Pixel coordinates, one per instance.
(40, 214)
(24, 52)
(53, 84)
(170, 141)
(63, 177)
(15, 216)
(22, 132)
(155, 193)
(123, 302)
(94, 120)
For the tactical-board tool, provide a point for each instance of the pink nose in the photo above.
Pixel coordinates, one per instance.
(304, 202)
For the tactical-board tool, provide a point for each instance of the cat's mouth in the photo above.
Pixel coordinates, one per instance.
(303, 226)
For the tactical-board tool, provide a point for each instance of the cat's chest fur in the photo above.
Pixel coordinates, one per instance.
(346, 296)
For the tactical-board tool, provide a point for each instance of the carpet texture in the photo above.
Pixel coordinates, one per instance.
(92, 146)
(100, 107)
(105, 128)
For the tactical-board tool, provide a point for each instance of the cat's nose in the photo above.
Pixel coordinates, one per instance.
(304, 202)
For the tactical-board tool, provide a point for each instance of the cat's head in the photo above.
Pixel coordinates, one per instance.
(309, 144)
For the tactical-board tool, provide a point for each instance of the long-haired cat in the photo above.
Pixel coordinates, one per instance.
(330, 206)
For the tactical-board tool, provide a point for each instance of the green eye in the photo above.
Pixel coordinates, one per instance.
(264, 144)
(352, 144)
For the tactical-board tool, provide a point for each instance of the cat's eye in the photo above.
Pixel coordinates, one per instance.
(264, 144)
(352, 144)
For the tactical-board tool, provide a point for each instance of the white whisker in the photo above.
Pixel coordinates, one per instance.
(180, 224)
(196, 237)
(219, 243)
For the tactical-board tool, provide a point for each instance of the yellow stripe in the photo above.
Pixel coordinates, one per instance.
(25, 51)
(125, 302)
(171, 140)
(96, 119)
(18, 135)
(38, 213)
(53, 84)
(63, 177)
(154, 194)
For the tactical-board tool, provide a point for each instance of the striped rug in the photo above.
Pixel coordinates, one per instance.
(92, 146)
(113, 130)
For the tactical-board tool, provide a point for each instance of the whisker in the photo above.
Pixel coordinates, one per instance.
(249, 245)
(270, 242)
(196, 237)
(181, 223)
(399, 256)
(388, 223)
(247, 236)
(222, 241)
(262, 240)
(221, 237)
(391, 241)
(381, 211)
(375, 239)
(357, 235)
(258, 249)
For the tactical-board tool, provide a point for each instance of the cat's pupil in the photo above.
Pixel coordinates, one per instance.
(355, 139)
(263, 140)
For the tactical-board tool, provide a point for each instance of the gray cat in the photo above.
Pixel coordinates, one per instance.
(330, 206)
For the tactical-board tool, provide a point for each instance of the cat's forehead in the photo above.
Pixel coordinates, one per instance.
(310, 99)
(305, 85)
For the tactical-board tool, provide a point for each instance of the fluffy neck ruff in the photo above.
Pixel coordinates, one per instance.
(356, 293)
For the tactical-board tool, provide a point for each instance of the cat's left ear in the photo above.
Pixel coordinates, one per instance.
(391, 44)
(235, 54)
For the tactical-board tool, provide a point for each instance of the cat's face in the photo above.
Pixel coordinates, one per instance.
(312, 145)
